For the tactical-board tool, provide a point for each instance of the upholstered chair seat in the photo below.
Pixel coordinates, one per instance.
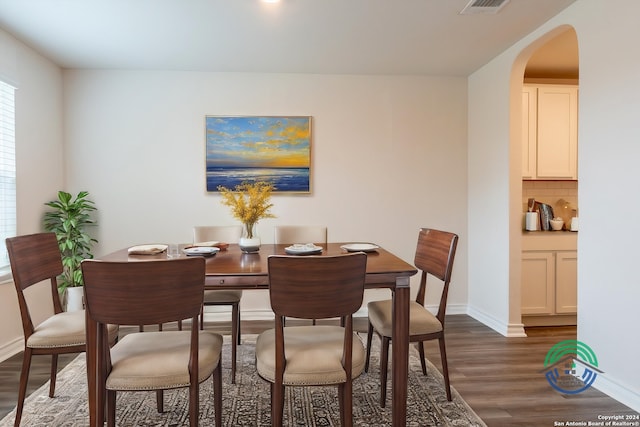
(422, 321)
(314, 355)
(63, 330)
(159, 360)
(222, 296)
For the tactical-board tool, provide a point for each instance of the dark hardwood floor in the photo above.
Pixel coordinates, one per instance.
(500, 378)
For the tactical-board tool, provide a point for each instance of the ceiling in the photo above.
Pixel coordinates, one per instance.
(397, 37)
(558, 58)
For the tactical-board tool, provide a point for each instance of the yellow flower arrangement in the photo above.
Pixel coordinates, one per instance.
(249, 202)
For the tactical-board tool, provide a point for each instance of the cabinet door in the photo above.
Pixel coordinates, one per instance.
(567, 282)
(557, 148)
(537, 288)
(529, 122)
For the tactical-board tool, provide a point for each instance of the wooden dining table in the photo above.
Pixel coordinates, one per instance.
(233, 269)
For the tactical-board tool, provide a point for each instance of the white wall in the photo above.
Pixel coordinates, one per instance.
(608, 288)
(39, 159)
(388, 153)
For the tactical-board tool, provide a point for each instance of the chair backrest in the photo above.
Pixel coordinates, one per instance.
(435, 253)
(290, 234)
(34, 258)
(145, 292)
(316, 287)
(218, 233)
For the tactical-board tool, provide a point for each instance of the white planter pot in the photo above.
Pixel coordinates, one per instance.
(75, 298)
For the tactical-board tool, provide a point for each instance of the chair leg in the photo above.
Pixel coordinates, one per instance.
(341, 404)
(369, 337)
(217, 394)
(54, 374)
(345, 396)
(24, 379)
(277, 404)
(179, 325)
(445, 367)
(422, 357)
(194, 403)
(234, 340)
(202, 317)
(111, 408)
(160, 401)
(239, 323)
(384, 362)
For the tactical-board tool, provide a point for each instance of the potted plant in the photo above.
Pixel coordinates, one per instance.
(249, 203)
(68, 220)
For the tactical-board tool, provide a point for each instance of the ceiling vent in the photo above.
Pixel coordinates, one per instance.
(490, 7)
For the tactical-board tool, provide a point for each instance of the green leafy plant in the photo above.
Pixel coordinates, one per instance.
(68, 220)
(249, 202)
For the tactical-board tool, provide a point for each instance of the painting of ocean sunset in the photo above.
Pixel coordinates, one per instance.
(259, 148)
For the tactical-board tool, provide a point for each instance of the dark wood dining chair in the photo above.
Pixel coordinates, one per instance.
(36, 258)
(222, 297)
(313, 287)
(292, 234)
(434, 256)
(145, 293)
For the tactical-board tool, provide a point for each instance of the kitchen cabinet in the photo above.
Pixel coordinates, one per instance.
(550, 132)
(549, 279)
(566, 282)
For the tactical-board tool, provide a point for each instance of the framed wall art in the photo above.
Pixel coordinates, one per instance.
(259, 148)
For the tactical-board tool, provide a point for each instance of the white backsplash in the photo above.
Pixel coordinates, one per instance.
(550, 192)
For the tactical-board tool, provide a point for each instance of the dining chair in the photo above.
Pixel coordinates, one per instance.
(292, 234)
(313, 287)
(152, 292)
(36, 258)
(205, 234)
(434, 256)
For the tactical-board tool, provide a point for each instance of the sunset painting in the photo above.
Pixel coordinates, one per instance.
(259, 148)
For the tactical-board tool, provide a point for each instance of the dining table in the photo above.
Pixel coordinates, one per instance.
(231, 268)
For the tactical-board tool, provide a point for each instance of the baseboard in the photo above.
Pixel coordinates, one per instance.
(510, 330)
(224, 316)
(617, 391)
(11, 348)
(219, 314)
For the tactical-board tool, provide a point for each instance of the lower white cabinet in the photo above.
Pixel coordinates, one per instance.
(566, 282)
(549, 285)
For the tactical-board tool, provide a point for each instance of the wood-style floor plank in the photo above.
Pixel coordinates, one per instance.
(500, 378)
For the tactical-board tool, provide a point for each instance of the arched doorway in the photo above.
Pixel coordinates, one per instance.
(550, 60)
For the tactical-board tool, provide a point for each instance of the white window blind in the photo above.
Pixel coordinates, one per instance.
(7, 171)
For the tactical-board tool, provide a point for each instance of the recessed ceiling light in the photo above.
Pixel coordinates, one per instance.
(271, 1)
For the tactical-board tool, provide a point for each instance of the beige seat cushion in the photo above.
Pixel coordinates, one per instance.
(222, 296)
(159, 360)
(421, 321)
(63, 330)
(313, 355)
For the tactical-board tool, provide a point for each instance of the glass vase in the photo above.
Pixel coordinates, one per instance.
(250, 241)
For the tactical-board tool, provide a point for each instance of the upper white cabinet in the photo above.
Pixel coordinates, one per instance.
(550, 132)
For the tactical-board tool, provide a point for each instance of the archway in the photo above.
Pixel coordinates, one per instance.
(541, 61)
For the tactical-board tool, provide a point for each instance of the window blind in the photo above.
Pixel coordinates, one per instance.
(7, 170)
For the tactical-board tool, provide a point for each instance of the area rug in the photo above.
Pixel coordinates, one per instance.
(247, 403)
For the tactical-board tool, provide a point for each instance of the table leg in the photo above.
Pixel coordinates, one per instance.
(400, 350)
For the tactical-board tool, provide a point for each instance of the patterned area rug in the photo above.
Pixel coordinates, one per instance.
(247, 403)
